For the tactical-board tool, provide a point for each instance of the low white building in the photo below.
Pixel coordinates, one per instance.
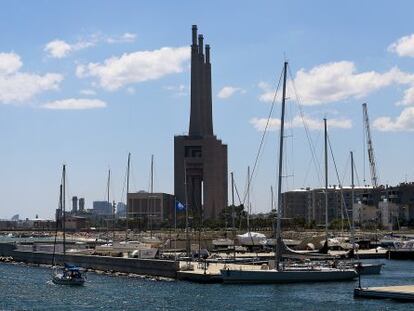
(392, 214)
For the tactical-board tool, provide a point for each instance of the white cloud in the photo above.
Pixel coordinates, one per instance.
(16, 86)
(297, 122)
(124, 38)
(135, 67)
(229, 91)
(404, 46)
(9, 63)
(60, 49)
(74, 104)
(408, 98)
(88, 92)
(268, 92)
(404, 122)
(337, 81)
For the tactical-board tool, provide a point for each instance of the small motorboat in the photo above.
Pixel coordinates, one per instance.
(69, 275)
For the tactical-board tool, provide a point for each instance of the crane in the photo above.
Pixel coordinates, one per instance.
(371, 157)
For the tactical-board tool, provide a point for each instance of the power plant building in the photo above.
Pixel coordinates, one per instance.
(200, 159)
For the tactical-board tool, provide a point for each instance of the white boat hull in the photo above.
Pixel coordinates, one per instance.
(298, 276)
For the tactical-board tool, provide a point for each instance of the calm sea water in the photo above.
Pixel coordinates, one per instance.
(29, 288)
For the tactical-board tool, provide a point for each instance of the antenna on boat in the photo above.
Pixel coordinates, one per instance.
(280, 172)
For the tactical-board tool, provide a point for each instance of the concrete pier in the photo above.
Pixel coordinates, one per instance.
(150, 267)
(404, 292)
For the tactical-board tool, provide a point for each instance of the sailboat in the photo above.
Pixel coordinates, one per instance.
(275, 271)
(69, 274)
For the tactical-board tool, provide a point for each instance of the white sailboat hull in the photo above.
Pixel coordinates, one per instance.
(289, 276)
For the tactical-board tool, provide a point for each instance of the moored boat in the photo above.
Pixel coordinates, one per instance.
(287, 276)
(368, 268)
(69, 275)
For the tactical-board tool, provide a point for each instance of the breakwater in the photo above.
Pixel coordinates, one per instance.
(151, 267)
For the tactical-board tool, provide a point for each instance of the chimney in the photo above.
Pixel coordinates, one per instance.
(207, 53)
(200, 44)
(194, 34)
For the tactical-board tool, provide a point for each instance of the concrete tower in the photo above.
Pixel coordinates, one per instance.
(200, 159)
(74, 204)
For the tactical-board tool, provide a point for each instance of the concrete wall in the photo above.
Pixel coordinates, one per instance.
(153, 267)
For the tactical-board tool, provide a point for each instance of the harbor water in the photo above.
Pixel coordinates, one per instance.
(25, 287)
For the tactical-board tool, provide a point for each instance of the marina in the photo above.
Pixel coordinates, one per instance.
(23, 286)
(154, 113)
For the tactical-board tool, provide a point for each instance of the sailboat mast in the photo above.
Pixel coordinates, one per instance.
(152, 173)
(151, 191)
(233, 212)
(127, 190)
(278, 254)
(352, 201)
(64, 207)
(108, 182)
(108, 185)
(271, 198)
(248, 199)
(326, 179)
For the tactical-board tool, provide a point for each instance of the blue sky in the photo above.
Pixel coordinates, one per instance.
(86, 82)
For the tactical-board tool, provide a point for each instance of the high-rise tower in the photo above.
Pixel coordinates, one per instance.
(200, 159)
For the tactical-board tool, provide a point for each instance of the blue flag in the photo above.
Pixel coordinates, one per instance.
(179, 206)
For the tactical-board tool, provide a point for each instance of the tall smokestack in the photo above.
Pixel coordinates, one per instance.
(200, 44)
(201, 99)
(194, 29)
(195, 114)
(207, 53)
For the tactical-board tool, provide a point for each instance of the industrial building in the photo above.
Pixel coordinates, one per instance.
(200, 159)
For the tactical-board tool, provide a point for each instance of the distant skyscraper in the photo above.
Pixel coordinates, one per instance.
(74, 204)
(81, 204)
(102, 208)
(200, 159)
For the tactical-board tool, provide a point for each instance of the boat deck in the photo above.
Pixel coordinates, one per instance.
(404, 292)
(364, 253)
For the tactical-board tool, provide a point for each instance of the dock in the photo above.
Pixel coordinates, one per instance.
(199, 273)
(401, 292)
